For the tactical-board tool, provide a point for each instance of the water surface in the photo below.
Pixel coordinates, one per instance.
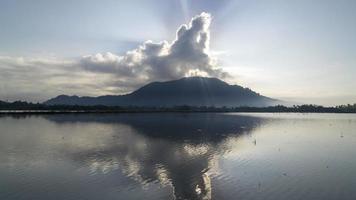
(178, 156)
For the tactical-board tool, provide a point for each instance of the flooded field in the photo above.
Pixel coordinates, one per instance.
(178, 156)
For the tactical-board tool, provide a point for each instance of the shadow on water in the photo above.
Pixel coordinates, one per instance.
(176, 150)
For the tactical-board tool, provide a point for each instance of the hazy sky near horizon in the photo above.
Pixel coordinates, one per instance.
(302, 51)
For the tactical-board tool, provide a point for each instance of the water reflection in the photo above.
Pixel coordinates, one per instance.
(176, 150)
(178, 156)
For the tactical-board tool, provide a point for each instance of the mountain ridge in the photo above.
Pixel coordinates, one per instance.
(193, 91)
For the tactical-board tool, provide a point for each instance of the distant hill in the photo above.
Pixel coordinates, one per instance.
(192, 91)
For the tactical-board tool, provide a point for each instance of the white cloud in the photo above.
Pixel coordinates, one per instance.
(188, 54)
(108, 73)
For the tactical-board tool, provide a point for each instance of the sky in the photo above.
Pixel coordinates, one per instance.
(301, 51)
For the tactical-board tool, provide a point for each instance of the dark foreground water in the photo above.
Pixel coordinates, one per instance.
(178, 156)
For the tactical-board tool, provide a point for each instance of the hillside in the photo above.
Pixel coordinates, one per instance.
(193, 91)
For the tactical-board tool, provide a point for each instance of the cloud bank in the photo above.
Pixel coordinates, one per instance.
(107, 73)
(187, 55)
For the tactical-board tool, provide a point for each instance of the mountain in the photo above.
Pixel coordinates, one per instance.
(3, 103)
(193, 91)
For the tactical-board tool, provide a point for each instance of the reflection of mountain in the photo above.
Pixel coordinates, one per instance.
(200, 127)
(179, 150)
(194, 91)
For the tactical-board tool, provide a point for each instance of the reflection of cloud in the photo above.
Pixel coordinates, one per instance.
(157, 149)
(174, 150)
(167, 162)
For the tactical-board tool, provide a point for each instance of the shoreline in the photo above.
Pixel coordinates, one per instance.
(34, 112)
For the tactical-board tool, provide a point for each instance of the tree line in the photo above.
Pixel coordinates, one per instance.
(26, 106)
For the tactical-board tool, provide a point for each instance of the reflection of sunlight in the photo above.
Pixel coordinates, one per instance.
(213, 165)
(132, 168)
(204, 190)
(162, 176)
(196, 150)
(103, 166)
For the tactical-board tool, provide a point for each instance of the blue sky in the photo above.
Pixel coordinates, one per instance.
(302, 51)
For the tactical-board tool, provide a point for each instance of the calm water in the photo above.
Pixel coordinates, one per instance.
(178, 156)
